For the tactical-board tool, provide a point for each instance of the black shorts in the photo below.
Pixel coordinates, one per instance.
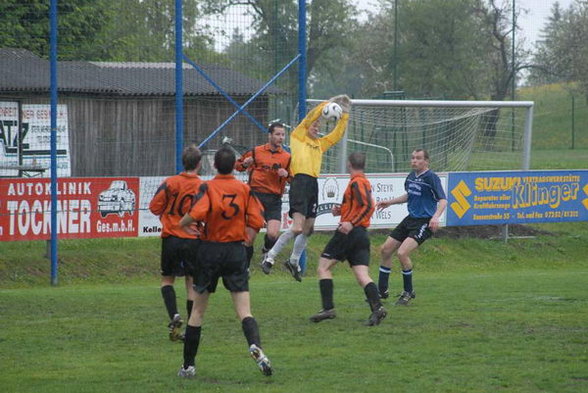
(272, 205)
(178, 256)
(304, 195)
(354, 246)
(226, 260)
(416, 228)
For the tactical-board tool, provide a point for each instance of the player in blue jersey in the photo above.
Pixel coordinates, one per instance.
(426, 203)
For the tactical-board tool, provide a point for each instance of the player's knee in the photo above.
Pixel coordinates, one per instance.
(308, 231)
(296, 231)
(385, 251)
(403, 255)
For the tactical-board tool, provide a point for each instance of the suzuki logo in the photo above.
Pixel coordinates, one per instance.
(461, 204)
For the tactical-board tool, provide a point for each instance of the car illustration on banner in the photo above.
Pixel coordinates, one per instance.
(117, 199)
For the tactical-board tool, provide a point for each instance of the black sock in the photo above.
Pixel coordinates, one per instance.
(383, 278)
(268, 243)
(249, 250)
(407, 278)
(189, 304)
(251, 331)
(191, 342)
(326, 287)
(169, 298)
(371, 292)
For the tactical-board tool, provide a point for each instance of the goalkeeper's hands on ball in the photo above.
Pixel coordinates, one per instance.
(344, 102)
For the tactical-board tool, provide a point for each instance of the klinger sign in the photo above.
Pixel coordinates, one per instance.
(86, 208)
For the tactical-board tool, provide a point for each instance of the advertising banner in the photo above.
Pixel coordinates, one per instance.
(331, 189)
(86, 208)
(36, 136)
(510, 197)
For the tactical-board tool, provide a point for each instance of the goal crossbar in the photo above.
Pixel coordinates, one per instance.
(527, 106)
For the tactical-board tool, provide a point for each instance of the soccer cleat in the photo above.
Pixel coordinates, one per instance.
(267, 263)
(385, 294)
(174, 326)
(266, 267)
(405, 297)
(262, 361)
(377, 316)
(294, 270)
(189, 372)
(323, 314)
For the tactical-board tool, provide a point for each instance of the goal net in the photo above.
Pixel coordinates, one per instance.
(459, 135)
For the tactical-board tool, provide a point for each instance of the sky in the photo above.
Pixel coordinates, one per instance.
(531, 22)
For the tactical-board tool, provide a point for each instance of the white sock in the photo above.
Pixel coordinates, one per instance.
(299, 247)
(280, 243)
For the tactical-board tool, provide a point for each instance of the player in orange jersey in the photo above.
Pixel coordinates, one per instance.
(351, 242)
(178, 249)
(228, 208)
(269, 169)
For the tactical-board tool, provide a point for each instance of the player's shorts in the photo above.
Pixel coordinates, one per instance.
(304, 195)
(272, 205)
(416, 228)
(354, 246)
(226, 260)
(178, 256)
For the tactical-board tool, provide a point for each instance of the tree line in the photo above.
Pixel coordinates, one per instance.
(451, 49)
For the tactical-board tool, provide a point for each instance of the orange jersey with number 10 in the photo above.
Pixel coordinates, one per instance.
(227, 207)
(172, 200)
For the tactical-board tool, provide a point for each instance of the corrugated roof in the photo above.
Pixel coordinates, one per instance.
(22, 71)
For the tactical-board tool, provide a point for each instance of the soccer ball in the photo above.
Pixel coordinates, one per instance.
(332, 111)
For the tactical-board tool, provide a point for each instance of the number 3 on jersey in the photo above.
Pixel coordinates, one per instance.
(232, 208)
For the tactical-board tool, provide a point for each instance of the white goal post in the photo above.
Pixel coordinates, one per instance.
(459, 135)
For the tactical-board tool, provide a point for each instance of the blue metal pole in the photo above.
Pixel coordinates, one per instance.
(53, 140)
(179, 88)
(223, 92)
(302, 61)
(249, 101)
(302, 84)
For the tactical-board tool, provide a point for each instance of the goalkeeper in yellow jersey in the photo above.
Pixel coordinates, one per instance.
(307, 154)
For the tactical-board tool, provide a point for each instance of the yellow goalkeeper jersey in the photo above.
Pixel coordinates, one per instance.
(307, 153)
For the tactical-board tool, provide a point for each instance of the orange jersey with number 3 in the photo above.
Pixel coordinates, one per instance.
(172, 200)
(227, 207)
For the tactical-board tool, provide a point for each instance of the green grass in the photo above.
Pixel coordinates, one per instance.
(488, 316)
(552, 116)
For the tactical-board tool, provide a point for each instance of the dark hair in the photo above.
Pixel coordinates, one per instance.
(425, 153)
(357, 160)
(224, 160)
(191, 157)
(273, 126)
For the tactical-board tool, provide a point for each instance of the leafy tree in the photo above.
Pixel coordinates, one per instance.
(562, 54)
(275, 38)
(130, 30)
(26, 25)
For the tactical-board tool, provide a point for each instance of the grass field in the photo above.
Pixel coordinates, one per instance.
(488, 316)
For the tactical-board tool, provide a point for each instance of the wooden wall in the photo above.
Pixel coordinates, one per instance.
(113, 136)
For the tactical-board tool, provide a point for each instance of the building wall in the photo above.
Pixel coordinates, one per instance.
(113, 136)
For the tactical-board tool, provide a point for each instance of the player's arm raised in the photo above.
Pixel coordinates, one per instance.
(312, 116)
(335, 136)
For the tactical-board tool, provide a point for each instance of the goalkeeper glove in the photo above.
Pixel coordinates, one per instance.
(343, 101)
